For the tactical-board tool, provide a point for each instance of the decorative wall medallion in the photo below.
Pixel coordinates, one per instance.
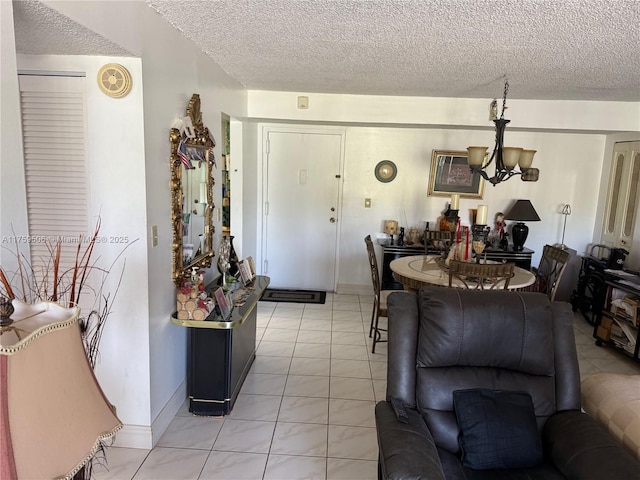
(114, 80)
(386, 171)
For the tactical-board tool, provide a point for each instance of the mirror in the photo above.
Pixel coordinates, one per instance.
(191, 192)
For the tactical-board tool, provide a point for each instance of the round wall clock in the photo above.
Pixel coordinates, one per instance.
(386, 171)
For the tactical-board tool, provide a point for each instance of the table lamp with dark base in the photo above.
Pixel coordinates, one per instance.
(519, 233)
(521, 211)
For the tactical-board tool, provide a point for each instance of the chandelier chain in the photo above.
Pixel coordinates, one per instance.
(504, 98)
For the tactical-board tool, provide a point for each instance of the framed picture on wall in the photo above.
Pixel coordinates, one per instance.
(450, 173)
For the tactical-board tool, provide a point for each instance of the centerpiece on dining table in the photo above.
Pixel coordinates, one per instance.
(468, 245)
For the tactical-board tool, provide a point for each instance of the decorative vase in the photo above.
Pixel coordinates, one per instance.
(6, 310)
(233, 257)
(519, 233)
(223, 258)
(449, 220)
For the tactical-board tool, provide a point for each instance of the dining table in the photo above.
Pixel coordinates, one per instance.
(417, 271)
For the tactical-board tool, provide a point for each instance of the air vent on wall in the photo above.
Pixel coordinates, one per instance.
(114, 80)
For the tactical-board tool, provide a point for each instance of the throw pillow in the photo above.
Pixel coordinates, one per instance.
(497, 429)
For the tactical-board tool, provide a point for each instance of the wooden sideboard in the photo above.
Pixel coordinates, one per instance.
(521, 258)
(220, 354)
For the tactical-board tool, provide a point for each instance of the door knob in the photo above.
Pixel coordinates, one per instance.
(332, 220)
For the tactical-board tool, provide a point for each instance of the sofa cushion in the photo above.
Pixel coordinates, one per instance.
(497, 340)
(498, 429)
(459, 329)
(614, 400)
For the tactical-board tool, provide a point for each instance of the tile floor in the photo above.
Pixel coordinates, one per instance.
(305, 410)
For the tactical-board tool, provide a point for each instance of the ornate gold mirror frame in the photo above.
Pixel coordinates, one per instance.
(191, 149)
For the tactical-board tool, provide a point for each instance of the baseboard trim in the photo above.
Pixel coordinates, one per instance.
(169, 411)
(143, 436)
(353, 289)
(134, 436)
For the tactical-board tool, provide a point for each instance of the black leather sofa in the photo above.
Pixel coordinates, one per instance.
(445, 340)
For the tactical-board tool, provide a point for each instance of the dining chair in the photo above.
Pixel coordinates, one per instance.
(549, 271)
(481, 276)
(379, 296)
(437, 240)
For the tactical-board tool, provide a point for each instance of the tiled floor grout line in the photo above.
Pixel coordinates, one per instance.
(273, 433)
(326, 459)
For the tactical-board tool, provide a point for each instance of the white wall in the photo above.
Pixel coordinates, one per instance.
(150, 372)
(570, 138)
(577, 116)
(115, 152)
(564, 179)
(13, 207)
(237, 176)
(251, 186)
(570, 165)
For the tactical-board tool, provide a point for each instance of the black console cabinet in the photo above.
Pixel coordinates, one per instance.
(219, 355)
(389, 254)
(521, 258)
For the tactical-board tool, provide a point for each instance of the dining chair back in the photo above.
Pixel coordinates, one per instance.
(549, 271)
(481, 276)
(379, 296)
(435, 240)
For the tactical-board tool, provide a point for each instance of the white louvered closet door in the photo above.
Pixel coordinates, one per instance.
(53, 124)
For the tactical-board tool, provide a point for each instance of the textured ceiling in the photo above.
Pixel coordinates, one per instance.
(41, 30)
(560, 49)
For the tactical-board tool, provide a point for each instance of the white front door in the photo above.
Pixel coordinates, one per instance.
(303, 170)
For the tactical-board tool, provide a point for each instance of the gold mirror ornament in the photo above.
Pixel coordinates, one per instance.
(192, 161)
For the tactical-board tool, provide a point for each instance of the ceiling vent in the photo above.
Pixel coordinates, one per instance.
(114, 80)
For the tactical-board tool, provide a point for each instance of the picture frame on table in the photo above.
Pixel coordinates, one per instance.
(450, 173)
(252, 266)
(222, 303)
(245, 272)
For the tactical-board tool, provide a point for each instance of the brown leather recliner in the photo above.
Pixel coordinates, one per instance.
(444, 340)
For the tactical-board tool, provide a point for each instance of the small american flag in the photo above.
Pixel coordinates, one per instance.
(182, 153)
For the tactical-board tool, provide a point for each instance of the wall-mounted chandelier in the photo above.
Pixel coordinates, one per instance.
(506, 158)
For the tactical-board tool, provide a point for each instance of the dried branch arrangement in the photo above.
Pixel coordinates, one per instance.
(47, 281)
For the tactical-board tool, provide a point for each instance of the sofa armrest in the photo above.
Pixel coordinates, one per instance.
(407, 450)
(403, 315)
(582, 449)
